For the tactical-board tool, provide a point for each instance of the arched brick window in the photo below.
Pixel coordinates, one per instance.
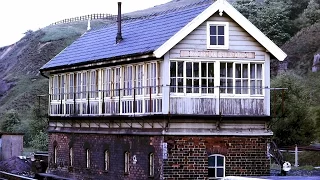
(106, 160)
(126, 162)
(55, 152)
(151, 164)
(88, 160)
(71, 156)
(216, 166)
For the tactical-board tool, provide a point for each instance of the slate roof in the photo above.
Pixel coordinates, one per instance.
(139, 37)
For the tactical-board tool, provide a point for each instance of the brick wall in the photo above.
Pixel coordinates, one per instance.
(188, 156)
(140, 146)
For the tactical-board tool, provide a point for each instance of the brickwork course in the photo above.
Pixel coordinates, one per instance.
(187, 156)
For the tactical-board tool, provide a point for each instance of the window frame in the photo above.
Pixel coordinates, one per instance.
(55, 152)
(126, 162)
(226, 35)
(216, 166)
(71, 156)
(106, 160)
(249, 79)
(151, 164)
(182, 90)
(216, 79)
(88, 158)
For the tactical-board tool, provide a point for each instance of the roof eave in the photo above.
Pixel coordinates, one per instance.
(236, 16)
(103, 62)
(175, 39)
(255, 32)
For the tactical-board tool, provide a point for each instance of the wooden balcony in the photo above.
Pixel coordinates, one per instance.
(160, 100)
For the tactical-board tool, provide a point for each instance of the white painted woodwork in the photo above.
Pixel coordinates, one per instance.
(239, 39)
(165, 74)
(267, 71)
(221, 8)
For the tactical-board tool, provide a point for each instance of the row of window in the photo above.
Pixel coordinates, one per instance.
(124, 80)
(106, 160)
(196, 77)
(204, 77)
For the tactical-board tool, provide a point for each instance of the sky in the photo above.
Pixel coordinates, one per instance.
(19, 16)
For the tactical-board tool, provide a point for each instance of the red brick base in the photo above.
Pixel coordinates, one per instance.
(187, 155)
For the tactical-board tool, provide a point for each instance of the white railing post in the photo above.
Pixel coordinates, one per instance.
(296, 156)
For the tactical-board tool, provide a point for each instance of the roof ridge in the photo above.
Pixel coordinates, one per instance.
(128, 19)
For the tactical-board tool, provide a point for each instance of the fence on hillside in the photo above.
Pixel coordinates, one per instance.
(86, 17)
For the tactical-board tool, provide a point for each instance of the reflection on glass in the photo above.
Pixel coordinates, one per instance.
(173, 69)
(238, 70)
(204, 69)
(196, 86)
(180, 85)
(204, 85)
(252, 71)
(230, 69)
(220, 40)
(195, 69)
(230, 86)
(220, 30)
(211, 161)
(259, 71)
(245, 70)
(180, 69)
(223, 70)
(213, 40)
(189, 86)
(220, 161)
(219, 172)
(213, 30)
(189, 69)
(210, 70)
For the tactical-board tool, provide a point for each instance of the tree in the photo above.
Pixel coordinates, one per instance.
(273, 20)
(38, 129)
(310, 15)
(248, 8)
(271, 17)
(11, 121)
(291, 121)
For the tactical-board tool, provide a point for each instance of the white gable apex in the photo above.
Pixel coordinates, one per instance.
(223, 7)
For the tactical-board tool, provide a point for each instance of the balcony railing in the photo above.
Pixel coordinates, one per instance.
(162, 100)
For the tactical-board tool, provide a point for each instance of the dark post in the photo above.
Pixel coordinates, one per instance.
(150, 102)
(103, 105)
(119, 35)
(119, 99)
(134, 100)
(74, 102)
(88, 105)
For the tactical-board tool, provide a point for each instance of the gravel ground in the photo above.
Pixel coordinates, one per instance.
(297, 174)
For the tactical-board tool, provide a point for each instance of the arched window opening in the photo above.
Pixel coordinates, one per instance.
(216, 166)
(126, 162)
(106, 160)
(88, 158)
(151, 164)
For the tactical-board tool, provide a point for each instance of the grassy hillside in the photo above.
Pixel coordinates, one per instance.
(301, 49)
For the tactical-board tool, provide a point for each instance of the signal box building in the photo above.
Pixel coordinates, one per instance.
(180, 95)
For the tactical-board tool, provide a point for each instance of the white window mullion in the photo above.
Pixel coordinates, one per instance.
(217, 77)
(184, 78)
(233, 78)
